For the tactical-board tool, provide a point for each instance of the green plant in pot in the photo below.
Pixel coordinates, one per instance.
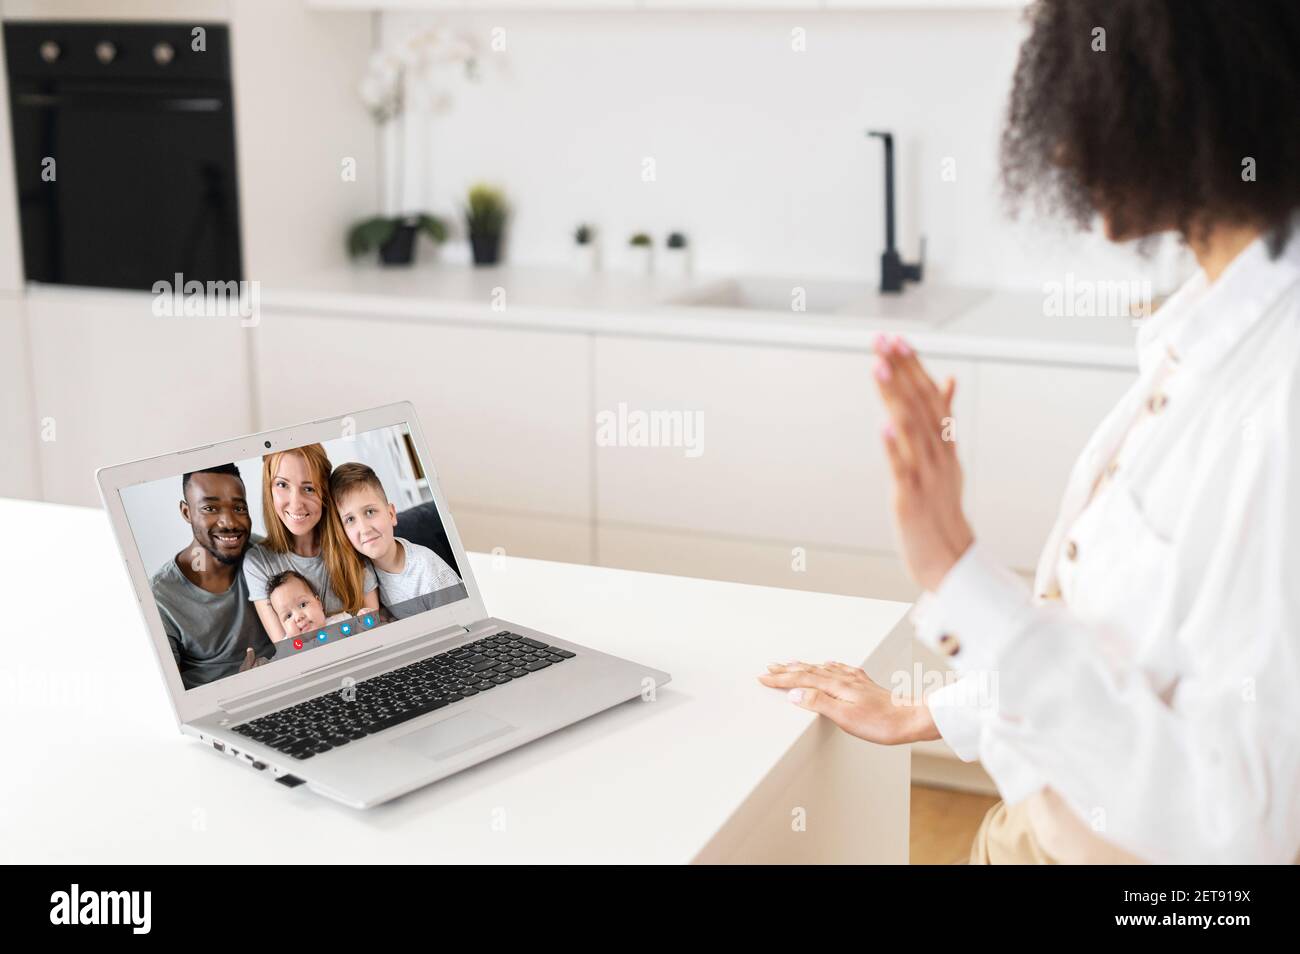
(393, 236)
(485, 218)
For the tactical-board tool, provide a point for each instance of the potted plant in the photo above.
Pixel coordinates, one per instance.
(586, 251)
(641, 252)
(485, 218)
(397, 79)
(678, 255)
(393, 237)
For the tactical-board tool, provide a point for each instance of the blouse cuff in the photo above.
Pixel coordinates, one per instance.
(958, 713)
(977, 611)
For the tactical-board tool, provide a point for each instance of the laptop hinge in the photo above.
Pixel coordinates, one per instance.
(257, 697)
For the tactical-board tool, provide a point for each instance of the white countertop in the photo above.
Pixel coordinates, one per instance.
(97, 771)
(938, 320)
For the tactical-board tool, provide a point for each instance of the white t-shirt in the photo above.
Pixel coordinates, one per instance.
(423, 573)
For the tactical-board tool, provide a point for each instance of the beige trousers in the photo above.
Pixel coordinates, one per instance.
(1005, 837)
(1041, 830)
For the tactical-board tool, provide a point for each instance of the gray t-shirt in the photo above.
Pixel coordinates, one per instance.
(424, 572)
(209, 632)
(260, 564)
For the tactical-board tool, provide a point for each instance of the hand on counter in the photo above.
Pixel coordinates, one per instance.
(848, 697)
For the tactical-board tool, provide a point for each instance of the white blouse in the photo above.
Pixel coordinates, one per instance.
(1151, 680)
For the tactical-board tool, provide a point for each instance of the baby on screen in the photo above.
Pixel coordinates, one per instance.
(297, 605)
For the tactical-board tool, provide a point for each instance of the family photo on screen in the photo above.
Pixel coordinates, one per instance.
(260, 560)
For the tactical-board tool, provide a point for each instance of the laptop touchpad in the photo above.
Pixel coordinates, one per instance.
(450, 736)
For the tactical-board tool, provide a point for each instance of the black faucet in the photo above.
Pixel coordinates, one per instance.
(893, 270)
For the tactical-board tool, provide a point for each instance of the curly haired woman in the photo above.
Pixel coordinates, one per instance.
(1146, 705)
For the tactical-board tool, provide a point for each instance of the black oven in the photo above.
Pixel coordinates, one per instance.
(124, 152)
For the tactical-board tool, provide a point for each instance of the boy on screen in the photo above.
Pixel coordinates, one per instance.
(406, 570)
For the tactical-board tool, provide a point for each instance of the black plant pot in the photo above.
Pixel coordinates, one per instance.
(487, 248)
(400, 249)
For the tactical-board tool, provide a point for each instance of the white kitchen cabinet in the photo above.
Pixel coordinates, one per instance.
(19, 427)
(789, 452)
(1033, 421)
(113, 382)
(505, 410)
(789, 447)
(516, 534)
(761, 562)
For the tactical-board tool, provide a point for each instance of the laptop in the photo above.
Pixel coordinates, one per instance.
(315, 620)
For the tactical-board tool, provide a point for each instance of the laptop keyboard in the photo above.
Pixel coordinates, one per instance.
(372, 705)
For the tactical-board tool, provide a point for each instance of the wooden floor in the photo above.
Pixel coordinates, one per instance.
(943, 824)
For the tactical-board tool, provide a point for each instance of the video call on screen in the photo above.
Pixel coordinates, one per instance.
(258, 560)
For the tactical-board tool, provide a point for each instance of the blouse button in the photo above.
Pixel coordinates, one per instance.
(1157, 402)
(949, 645)
(1071, 550)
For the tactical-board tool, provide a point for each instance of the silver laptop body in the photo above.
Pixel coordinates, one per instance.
(563, 684)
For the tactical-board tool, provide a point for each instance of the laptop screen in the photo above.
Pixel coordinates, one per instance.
(255, 561)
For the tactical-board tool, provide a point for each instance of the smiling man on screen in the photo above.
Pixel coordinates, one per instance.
(202, 597)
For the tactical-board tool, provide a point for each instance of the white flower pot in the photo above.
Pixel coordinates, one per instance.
(677, 263)
(641, 259)
(586, 258)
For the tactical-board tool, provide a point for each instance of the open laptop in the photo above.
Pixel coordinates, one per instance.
(243, 584)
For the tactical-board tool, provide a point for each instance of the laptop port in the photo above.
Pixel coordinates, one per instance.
(219, 746)
(259, 765)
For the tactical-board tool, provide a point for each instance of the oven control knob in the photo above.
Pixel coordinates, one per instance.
(105, 52)
(50, 51)
(163, 53)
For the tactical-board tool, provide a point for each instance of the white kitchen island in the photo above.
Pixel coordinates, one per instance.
(715, 769)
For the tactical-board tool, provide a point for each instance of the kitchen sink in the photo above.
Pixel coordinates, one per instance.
(926, 304)
(775, 294)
